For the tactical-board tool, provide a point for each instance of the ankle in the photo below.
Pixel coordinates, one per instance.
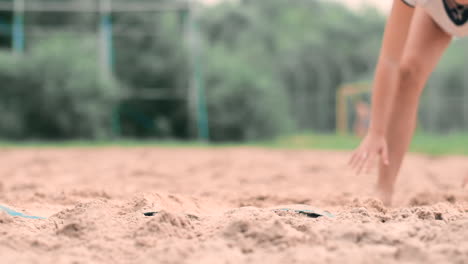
(385, 193)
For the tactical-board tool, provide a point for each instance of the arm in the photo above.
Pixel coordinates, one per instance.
(384, 87)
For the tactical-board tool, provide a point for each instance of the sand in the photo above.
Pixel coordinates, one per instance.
(215, 206)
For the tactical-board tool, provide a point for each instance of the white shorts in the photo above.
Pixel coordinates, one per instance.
(450, 16)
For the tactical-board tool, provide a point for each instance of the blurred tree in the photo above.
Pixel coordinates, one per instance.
(56, 92)
(246, 104)
(6, 19)
(270, 67)
(151, 56)
(444, 104)
(309, 48)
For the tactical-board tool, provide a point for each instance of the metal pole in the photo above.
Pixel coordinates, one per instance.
(106, 45)
(197, 96)
(18, 26)
(190, 96)
(78, 6)
(203, 127)
(106, 57)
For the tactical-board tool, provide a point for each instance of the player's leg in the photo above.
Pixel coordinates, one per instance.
(385, 83)
(425, 45)
(395, 36)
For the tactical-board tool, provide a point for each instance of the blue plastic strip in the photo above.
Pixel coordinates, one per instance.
(14, 213)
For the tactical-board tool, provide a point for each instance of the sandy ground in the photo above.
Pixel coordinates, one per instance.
(215, 207)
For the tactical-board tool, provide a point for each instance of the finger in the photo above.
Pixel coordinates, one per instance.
(370, 163)
(358, 160)
(384, 155)
(363, 161)
(361, 166)
(368, 166)
(353, 158)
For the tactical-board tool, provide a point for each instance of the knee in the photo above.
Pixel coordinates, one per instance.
(389, 64)
(410, 75)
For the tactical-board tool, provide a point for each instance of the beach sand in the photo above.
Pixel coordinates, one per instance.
(215, 206)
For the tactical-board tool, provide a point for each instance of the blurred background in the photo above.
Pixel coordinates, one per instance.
(218, 71)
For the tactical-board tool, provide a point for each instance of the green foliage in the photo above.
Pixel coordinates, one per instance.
(428, 144)
(244, 100)
(307, 48)
(55, 92)
(150, 55)
(150, 51)
(270, 66)
(444, 108)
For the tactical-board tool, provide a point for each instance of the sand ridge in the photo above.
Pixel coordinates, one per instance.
(215, 206)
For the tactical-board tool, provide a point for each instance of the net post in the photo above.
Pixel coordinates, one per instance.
(197, 95)
(105, 39)
(18, 26)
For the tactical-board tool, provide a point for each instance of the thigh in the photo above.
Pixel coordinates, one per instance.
(425, 44)
(396, 31)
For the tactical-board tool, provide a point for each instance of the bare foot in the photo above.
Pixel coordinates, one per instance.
(465, 183)
(385, 195)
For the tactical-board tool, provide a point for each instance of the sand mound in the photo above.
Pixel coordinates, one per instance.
(5, 218)
(220, 206)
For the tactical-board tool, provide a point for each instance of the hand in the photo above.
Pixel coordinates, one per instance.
(372, 148)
